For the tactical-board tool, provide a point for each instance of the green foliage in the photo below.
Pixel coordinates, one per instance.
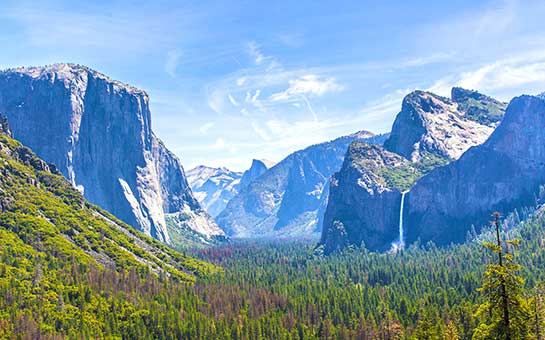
(483, 111)
(505, 313)
(401, 178)
(70, 269)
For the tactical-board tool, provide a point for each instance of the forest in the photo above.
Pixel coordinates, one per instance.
(289, 291)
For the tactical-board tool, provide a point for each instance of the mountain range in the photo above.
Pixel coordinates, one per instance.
(449, 160)
(287, 200)
(430, 135)
(215, 187)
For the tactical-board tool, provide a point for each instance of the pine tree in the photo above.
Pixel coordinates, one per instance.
(505, 313)
(537, 307)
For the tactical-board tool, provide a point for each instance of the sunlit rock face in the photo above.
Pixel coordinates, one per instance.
(431, 124)
(364, 203)
(97, 131)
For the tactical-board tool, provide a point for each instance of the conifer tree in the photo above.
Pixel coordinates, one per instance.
(505, 313)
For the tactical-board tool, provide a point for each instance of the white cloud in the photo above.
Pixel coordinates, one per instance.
(501, 75)
(309, 84)
(522, 73)
(206, 127)
(219, 144)
(232, 100)
(255, 52)
(173, 58)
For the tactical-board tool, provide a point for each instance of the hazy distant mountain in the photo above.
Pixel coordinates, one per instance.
(287, 200)
(215, 187)
(429, 132)
(97, 131)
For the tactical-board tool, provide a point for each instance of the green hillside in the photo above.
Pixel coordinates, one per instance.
(68, 268)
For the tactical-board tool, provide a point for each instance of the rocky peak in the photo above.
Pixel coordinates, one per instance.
(429, 124)
(377, 167)
(257, 168)
(503, 174)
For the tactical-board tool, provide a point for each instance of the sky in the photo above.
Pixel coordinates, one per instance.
(230, 81)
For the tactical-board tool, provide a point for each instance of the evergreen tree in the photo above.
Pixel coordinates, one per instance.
(505, 313)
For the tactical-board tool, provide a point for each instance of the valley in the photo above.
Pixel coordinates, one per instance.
(366, 236)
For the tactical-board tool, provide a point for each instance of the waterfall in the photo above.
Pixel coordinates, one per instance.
(401, 238)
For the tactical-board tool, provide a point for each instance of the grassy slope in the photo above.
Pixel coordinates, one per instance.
(54, 245)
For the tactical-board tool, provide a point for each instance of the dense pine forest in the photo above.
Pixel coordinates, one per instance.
(281, 291)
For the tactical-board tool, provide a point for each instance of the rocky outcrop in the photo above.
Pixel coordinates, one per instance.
(258, 168)
(502, 174)
(429, 132)
(97, 131)
(364, 199)
(285, 200)
(429, 124)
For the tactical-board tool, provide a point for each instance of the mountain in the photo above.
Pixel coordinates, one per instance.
(258, 168)
(430, 131)
(478, 107)
(507, 172)
(368, 187)
(288, 199)
(431, 125)
(97, 131)
(215, 187)
(43, 214)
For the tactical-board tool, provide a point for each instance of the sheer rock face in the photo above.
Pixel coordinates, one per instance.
(258, 168)
(288, 199)
(429, 132)
(431, 124)
(215, 187)
(363, 202)
(502, 174)
(97, 131)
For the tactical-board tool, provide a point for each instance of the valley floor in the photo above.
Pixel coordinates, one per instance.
(290, 291)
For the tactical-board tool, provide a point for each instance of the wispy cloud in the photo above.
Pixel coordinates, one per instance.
(206, 127)
(171, 63)
(309, 84)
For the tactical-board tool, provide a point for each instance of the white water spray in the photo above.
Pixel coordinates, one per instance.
(400, 244)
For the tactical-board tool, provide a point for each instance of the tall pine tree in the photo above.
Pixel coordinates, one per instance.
(504, 314)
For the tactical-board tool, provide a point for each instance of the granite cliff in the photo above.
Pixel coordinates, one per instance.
(97, 131)
(429, 132)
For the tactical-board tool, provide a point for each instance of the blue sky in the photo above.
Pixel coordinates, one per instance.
(234, 80)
